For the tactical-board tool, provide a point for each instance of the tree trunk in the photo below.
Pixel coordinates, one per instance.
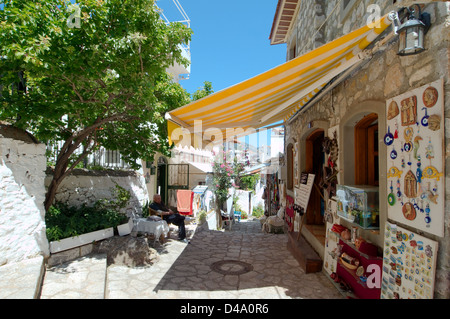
(58, 176)
(218, 214)
(61, 170)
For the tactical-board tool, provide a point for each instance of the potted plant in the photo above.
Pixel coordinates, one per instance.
(69, 227)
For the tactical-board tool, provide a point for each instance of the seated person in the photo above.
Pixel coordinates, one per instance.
(169, 216)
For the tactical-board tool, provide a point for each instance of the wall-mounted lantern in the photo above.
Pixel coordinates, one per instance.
(412, 32)
(151, 167)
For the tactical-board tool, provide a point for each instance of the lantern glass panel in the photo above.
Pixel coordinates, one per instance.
(411, 40)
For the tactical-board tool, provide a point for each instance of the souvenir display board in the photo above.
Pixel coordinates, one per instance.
(303, 192)
(332, 239)
(409, 265)
(415, 158)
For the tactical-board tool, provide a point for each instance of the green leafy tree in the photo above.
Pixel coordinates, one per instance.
(90, 75)
(202, 92)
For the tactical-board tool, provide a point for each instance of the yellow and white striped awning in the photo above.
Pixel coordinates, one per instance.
(277, 94)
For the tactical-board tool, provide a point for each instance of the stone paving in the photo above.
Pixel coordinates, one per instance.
(185, 270)
(21, 280)
(83, 278)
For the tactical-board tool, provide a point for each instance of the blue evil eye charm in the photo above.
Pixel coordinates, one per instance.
(408, 147)
(424, 120)
(388, 138)
(419, 175)
(393, 154)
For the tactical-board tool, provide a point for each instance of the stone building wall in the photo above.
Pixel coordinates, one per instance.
(322, 21)
(385, 76)
(22, 193)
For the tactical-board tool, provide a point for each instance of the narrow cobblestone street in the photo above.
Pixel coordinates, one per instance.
(253, 265)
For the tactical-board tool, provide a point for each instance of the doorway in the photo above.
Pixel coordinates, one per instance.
(161, 187)
(315, 160)
(314, 163)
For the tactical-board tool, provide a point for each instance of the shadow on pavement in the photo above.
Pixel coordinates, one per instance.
(241, 263)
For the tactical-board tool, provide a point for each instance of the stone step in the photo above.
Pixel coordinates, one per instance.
(21, 280)
(305, 255)
(83, 278)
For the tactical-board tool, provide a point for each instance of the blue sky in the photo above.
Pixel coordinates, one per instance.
(230, 42)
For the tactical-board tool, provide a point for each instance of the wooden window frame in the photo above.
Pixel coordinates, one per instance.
(290, 167)
(366, 151)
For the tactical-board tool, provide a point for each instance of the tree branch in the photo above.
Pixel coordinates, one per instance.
(74, 87)
(140, 59)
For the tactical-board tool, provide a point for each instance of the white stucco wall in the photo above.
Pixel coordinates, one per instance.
(22, 194)
(87, 187)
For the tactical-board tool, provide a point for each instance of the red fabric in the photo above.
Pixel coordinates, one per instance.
(289, 211)
(184, 201)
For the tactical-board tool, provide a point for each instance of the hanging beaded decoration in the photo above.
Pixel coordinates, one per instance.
(388, 138)
(427, 217)
(408, 134)
(399, 192)
(419, 171)
(424, 120)
(391, 196)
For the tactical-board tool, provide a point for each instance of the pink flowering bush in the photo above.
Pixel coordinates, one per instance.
(226, 175)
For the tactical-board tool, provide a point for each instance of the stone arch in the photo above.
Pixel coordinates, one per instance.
(353, 116)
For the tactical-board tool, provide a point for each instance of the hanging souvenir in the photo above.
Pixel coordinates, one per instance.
(391, 196)
(417, 140)
(409, 211)
(424, 120)
(408, 134)
(410, 185)
(409, 111)
(421, 206)
(431, 172)
(388, 138)
(434, 122)
(396, 130)
(429, 151)
(419, 171)
(430, 97)
(416, 206)
(393, 153)
(427, 217)
(432, 197)
(399, 192)
(394, 172)
(435, 189)
(392, 110)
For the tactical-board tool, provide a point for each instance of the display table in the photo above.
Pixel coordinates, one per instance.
(152, 225)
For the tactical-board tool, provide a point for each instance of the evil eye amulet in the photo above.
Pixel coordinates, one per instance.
(391, 199)
(425, 121)
(408, 147)
(394, 154)
(388, 139)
